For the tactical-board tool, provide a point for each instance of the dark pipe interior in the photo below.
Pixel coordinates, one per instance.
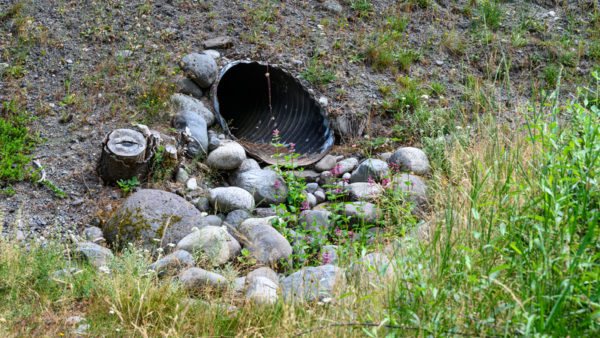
(243, 97)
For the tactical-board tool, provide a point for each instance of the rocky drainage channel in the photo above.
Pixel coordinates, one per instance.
(177, 227)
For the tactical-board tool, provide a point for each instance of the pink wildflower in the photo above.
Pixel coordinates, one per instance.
(338, 231)
(336, 170)
(277, 184)
(292, 147)
(326, 257)
(385, 182)
(305, 205)
(276, 133)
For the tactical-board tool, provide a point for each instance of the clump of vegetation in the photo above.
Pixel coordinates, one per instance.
(16, 143)
(387, 48)
(317, 72)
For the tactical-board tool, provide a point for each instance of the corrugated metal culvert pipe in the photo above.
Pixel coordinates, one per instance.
(250, 105)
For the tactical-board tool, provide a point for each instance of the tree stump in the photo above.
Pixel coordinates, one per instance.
(126, 154)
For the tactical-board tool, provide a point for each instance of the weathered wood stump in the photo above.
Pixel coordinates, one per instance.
(126, 154)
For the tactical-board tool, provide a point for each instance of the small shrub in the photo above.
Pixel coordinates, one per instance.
(16, 143)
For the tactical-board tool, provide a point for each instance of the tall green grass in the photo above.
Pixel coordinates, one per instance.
(515, 249)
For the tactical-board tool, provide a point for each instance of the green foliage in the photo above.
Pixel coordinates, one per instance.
(490, 14)
(316, 72)
(162, 168)
(129, 185)
(16, 143)
(386, 48)
(362, 7)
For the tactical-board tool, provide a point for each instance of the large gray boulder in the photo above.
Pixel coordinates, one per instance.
(312, 283)
(197, 127)
(229, 155)
(187, 103)
(217, 245)
(411, 159)
(154, 218)
(201, 68)
(263, 242)
(196, 279)
(267, 186)
(173, 263)
(370, 169)
(225, 199)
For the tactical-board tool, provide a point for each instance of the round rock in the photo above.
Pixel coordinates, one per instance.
(266, 186)
(153, 218)
(201, 68)
(197, 127)
(225, 199)
(263, 242)
(228, 156)
(187, 103)
(214, 242)
(196, 279)
(173, 263)
(312, 283)
(325, 164)
(370, 169)
(411, 160)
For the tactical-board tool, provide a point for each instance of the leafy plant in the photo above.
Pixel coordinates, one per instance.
(128, 185)
(16, 143)
(317, 73)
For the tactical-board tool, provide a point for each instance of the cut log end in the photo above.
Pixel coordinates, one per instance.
(126, 154)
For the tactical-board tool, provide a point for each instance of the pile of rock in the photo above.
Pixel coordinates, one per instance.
(179, 226)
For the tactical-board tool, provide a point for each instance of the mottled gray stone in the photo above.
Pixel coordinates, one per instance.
(226, 199)
(361, 213)
(412, 185)
(312, 283)
(196, 279)
(173, 263)
(261, 290)
(214, 242)
(411, 159)
(370, 169)
(263, 242)
(95, 254)
(184, 103)
(373, 267)
(267, 186)
(154, 218)
(325, 164)
(186, 86)
(197, 127)
(92, 233)
(229, 155)
(347, 165)
(364, 191)
(201, 68)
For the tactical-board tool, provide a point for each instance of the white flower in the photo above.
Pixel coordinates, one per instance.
(111, 312)
(171, 245)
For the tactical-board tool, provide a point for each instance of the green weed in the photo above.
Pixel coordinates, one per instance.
(16, 143)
